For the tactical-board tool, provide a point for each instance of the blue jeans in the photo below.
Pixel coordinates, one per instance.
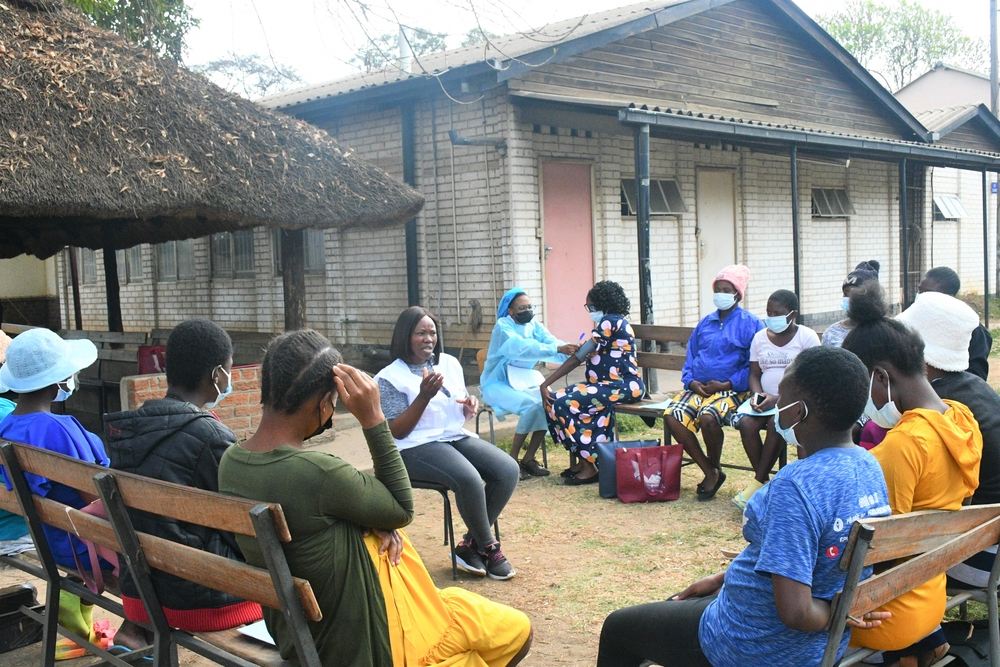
(481, 476)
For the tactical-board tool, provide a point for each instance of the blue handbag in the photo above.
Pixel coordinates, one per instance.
(607, 473)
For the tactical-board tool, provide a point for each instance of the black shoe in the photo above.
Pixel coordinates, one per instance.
(580, 481)
(468, 560)
(533, 469)
(708, 494)
(497, 565)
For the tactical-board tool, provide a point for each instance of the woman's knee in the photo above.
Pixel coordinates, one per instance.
(708, 420)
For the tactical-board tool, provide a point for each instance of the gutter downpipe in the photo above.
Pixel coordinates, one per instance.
(643, 240)
(794, 182)
(905, 225)
(408, 131)
(986, 253)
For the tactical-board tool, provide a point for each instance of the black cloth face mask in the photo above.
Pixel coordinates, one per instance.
(524, 316)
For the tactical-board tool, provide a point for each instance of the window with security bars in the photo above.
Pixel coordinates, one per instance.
(129, 265)
(232, 254)
(87, 261)
(664, 197)
(948, 207)
(175, 260)
(314, 251)
(831, 203)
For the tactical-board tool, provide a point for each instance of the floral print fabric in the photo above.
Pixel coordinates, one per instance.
(583, 414)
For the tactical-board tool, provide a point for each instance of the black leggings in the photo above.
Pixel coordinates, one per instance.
(664, 632)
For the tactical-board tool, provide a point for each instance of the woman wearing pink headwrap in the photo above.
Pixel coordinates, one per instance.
(715, 376)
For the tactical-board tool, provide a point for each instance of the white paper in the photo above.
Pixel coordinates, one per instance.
(745, 409)
(257, 631)
(662, 405)
(524, 379)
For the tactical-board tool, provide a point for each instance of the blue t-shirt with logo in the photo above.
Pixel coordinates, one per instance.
(796, 527)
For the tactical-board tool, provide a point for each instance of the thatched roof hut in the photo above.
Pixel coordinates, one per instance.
(104, 145)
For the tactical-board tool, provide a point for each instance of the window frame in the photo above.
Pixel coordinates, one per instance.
(173, 248)
(230, 240)
(306, 245)
(831, 203)
(952, 210)
(663, 192)
(130, 269)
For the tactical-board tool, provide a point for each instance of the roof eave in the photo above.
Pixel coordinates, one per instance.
(884, 149)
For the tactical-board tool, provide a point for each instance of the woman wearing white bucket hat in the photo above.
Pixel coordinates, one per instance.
(41, 368)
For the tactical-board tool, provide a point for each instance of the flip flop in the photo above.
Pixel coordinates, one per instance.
(708, 494)
(121, 651)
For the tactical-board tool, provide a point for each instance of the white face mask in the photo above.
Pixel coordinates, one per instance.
(723, 301)
(597, 316)
(845, 303)
(888, 415)
(63, 394)
(788, 434)
(222, 393)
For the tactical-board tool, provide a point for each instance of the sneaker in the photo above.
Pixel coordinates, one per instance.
(533, 468)
(497, 566)
(467, 559)
(743, 497)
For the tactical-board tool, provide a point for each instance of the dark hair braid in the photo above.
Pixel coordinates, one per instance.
(297, 366)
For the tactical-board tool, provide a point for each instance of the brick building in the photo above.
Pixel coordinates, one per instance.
(528, 175)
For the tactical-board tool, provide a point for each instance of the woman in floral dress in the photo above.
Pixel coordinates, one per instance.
(581, 415)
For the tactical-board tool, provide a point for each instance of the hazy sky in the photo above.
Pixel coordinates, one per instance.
(318, 37)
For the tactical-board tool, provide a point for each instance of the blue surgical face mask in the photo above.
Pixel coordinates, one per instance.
(723, 301)
(888, 415)
(845, 303)
(597, 316)
(63, 394)
(222, 393)
(788, 434)
(778, 323)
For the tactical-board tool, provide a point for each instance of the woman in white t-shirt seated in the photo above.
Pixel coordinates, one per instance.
(772, 350)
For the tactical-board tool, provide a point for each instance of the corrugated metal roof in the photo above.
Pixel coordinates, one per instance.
(814, 131)
(936, 120)
(507, 48)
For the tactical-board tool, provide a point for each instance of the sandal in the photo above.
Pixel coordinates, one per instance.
(708, 494)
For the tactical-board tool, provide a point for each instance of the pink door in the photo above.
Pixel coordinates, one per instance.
(567, 226)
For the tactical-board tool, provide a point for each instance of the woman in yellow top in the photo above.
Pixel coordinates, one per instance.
(930, 458)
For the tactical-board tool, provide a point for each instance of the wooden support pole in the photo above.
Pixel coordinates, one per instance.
(74, 277)
(293, 277)
(111, 289)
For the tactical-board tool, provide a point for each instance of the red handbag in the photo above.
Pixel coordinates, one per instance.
(649, 474)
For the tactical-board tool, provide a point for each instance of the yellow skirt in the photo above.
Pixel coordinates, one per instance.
(914, 616)
(451, 627)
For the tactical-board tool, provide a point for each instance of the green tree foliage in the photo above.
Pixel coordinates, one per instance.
(384, 49)
(477, 37)
(900, 40)
(159, 25)
(249, 75)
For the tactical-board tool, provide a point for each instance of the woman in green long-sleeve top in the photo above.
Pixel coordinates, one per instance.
(364, 583)
(324, 498)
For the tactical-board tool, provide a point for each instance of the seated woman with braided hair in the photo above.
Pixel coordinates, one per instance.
(379, 604)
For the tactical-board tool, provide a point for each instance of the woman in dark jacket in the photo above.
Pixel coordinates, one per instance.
(175, 440)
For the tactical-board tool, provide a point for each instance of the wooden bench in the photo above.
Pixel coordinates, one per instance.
(121, 492)
(916, 547)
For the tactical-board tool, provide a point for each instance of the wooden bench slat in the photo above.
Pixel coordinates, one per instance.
(917, 532)
(106, 337)
(201, 567)
(661, 360)
(197, 506)
(244, 647)
(876, 591)
(662, 333)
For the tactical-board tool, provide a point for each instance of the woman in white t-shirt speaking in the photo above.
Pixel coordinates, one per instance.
(772, 350)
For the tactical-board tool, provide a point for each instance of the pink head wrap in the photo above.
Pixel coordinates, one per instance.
(737, 275)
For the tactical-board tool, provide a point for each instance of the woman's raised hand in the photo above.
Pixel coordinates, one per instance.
(359, 392)
(430, 385)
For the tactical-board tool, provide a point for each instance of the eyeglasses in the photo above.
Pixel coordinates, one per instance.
(591, 308)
